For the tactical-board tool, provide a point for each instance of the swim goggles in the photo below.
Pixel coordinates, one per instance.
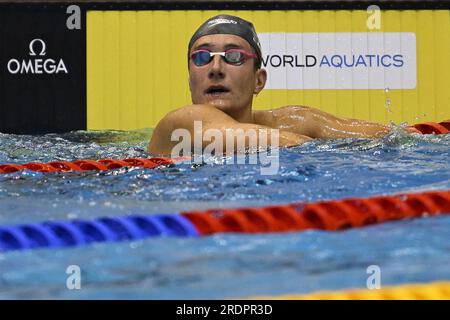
(235, 57)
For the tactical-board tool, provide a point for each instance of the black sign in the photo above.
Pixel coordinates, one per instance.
(42, 69)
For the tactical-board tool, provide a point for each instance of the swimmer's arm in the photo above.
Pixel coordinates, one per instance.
(319, 124)
(332, 127)
(211, 118)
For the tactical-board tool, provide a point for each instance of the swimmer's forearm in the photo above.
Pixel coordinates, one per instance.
(250, 137)
(351, 128)
(328, 126)
(200, 126)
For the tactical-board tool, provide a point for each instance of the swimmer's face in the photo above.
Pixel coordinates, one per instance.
(229, 87)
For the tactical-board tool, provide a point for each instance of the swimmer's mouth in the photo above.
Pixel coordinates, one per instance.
(217, 90)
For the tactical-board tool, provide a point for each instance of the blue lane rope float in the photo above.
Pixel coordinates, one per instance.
(51, 234)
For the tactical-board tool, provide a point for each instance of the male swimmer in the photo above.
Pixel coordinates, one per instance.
(224, 63)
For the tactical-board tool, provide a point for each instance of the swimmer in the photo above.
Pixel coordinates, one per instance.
(224, 63)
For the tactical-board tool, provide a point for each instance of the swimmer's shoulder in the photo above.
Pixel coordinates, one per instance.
(181, 118)
(184, 118)
(189, 113)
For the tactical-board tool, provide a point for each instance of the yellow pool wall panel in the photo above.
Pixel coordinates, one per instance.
(137, 65)
(439, 290)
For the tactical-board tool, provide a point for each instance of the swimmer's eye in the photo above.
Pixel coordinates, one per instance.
(232, 56)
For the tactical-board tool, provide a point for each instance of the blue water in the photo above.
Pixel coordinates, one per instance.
(224, 265)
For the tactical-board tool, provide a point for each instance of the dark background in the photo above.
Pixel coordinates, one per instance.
(39, 103)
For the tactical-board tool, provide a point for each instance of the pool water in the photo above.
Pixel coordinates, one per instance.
(223, 265)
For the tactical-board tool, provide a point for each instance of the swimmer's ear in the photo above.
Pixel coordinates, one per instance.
(260, 80)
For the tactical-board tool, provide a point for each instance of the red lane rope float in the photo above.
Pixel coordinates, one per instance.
(82, 165)
(433, 127)
(324, 215)
(446, 124)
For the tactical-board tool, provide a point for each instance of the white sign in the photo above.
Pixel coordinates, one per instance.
(341, 60)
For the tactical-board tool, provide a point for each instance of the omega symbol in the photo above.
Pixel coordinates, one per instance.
(32, 53)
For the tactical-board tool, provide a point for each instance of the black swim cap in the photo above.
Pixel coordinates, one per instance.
(226, 24)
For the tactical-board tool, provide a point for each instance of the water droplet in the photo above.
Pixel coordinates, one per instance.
(72, 216)
(134, 245)
(388, 102)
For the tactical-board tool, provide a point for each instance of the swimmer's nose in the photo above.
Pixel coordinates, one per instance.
(217, 65)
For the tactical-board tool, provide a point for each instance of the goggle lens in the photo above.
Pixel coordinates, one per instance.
(234, 57)
(201, 58)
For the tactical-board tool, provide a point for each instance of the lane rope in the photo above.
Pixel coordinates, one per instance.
(84, 165)
(330, 215)
(433, 127)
